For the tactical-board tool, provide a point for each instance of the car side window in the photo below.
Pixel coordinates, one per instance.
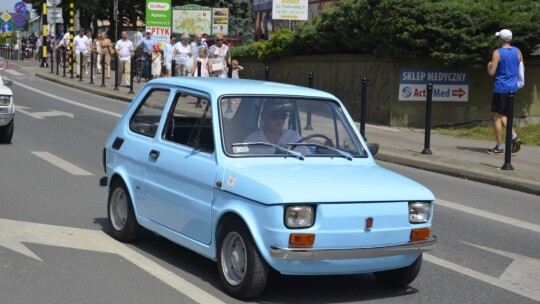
(145, 120)
(189, 122)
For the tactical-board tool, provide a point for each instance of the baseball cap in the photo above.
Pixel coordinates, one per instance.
(156, 47)
(505, 35)
(149, 31)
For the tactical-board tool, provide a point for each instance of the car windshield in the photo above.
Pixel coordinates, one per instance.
(254, 126)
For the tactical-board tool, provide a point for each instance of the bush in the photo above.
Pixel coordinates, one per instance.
(455, 32)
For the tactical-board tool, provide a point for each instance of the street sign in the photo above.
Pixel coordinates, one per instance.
(19, 21)
(20, 8)
(53, 2)
(6, 27)
(5, 16)
(54, 15)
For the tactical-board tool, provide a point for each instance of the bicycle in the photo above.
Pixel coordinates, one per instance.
(139, 68)
(61, 57)
(3, 63)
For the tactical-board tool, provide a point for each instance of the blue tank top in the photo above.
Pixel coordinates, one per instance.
(506, 76)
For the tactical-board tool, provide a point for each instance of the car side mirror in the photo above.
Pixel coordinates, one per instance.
(373, 148)
(8, 82)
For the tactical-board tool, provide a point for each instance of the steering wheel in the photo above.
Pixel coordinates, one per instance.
(303, 139)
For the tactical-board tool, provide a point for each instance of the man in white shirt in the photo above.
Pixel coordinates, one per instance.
(81, 43)
(124, 48)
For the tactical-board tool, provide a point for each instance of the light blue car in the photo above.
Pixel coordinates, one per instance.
(258, 175)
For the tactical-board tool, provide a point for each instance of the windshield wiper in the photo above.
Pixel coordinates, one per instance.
(298, 155)
(347, 155)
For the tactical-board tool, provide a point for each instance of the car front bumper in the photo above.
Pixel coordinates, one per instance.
(5, 118)
(307, 254)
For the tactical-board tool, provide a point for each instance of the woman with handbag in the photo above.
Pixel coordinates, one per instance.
(220, 57)
(106, 52)
(182, 56)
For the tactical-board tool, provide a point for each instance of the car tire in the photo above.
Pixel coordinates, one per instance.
(400, 277)
(6, 132)
(121, 217)
(241, 268)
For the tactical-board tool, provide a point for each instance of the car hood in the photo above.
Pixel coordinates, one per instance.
(271, 184)
(5, 90)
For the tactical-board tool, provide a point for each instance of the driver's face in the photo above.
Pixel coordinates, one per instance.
(274, 121)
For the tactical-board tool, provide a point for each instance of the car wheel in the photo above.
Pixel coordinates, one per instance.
(241, 267)
(121, 217)
(6, 132)
(400, 277)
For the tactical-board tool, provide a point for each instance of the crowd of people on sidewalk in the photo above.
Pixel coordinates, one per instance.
(182, 58)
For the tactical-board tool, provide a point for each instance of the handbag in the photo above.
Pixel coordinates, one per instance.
(112, 51)
(217, 65)
(521, 75)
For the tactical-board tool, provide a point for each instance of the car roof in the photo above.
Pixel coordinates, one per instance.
(227, 86)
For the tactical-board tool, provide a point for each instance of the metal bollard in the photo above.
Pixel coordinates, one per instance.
(71, 64)
(267, 73)
(81, 64)
(427, 132)
(509, 123)
(115, 73)
(92, 55)
(103, 73)
(132, 75)
(52, 63)
(173, 68)
(363, 102)
(199, 68)
(309, 105)
(65, 63)
(57, 62)
(229, 70)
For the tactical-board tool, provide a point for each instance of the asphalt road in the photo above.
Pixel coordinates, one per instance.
(54, 247)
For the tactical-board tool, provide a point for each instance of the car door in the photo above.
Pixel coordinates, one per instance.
(181, 169)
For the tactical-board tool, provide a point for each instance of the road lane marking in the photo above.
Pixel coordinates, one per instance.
(15, 233)
(82, 105)
(488, 215)
(14, 73)
(60, 163)
(514, 287)
(42, 115)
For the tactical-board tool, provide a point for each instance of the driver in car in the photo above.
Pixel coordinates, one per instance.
(273, 116)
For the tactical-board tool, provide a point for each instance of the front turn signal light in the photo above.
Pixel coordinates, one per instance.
(420, 234)
(301, 240)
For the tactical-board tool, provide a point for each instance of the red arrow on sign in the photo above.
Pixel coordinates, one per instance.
(460, 93)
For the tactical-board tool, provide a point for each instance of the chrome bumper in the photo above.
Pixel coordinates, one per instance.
(304, 254)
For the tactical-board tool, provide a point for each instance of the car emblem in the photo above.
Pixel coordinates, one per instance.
(369, 223)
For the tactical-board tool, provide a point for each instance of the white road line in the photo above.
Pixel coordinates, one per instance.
(82, 105)
(14, 73)
(60, 163)
(482, 277)
(15, 234)
(488, 215)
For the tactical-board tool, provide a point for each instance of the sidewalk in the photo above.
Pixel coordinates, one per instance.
(452, 156)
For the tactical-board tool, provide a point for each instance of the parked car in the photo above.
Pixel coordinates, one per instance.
(7, 111)
(257, 176)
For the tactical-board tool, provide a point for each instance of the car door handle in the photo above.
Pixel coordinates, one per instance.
(154, 154)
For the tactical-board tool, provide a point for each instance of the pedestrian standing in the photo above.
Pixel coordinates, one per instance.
(106, 52)
(97, 51)
(156, 62)
(125, 50)
(197, 44)
(236, 67)
(168, 54)
(90, 53)
(182, 55)
(220, 57)
(147, 45)
(504, 66)
(82, 45)
(205, 65)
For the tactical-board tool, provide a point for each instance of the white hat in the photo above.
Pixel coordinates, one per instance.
(149, 31)
(505, 35)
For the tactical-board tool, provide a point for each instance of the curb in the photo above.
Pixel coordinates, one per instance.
(510, 182)
(90, 89)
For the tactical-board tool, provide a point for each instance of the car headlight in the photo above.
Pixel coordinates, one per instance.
(5, 100)
(299, 216)
(419, 212)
